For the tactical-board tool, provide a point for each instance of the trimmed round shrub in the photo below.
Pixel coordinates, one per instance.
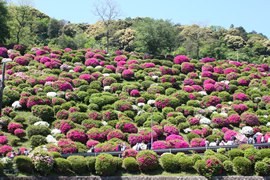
(55, 154)
(45, 112)
(76, 135)
(261, 168)
(235, 153)
(228, 166)
(147, 160)
(250, 119)
(67, 146)
(105, 164)
(37, 140)
(37, 130)
(263, 153)
(90, 162)
(119, 162)
(61, 165)
(24, 163)
(169, 162)
(130, 164)
(78, 164)
(186, 163)
(241, 165)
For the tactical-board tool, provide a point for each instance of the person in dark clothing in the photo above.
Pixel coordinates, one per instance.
(217, 142)
(119, 147)
(148, 145)
(19, 152)
(92, 149)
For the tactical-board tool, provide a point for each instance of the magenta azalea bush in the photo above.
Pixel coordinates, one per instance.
(147, 160)
(129, 153)
(76, 135)
(67, 146)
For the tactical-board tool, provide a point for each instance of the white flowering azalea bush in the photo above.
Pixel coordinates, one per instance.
(16, 105)
(51, 94)
(51, 139)
(247, 130)
(54, 132)
(41, 123)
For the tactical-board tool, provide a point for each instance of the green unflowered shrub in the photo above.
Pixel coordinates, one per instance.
(130, 164)
(24, 163)
(37, 130)
(228, 166)
(186, 163)
(55, 154)
(37, 140)
(263, 153)
(235, 153)
(195, 158)
(105, 164)
(45, 112)
(200, 167)
(241, 165)
(78, 164)
(118, 162)
(90, 162)
(261, 168)
(1, 168)
(169, 162)
(61, 165)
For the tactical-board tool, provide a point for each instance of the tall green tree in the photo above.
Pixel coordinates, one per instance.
(4, 30)
(21, 19)
(54, 28)
(155, 36)
(196, 36)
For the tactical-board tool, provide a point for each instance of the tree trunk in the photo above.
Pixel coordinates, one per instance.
(18, 37)
(197, 52)
(107, 49)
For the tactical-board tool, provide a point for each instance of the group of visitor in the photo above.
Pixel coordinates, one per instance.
(25, 152)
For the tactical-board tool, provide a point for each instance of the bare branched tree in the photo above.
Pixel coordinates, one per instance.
(107, 10)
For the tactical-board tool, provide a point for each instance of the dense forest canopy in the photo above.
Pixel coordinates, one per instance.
(23, 24)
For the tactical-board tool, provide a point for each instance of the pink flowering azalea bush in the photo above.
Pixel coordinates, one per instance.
(52, 148)
(147, 160)
(206, 131)
(240, 108)
(250, 119)
(177, 143)
(64, 125)
(129, 153)
(135, 138)
(76, 135)
(221, 121)
(123, 105)
(96, 134)
(170, 129)
(228, 135)
(127, 127)
(197, 142)
(235, 119)
(4, 150)
(160, 145)
(13, 126)
(193, 121)
(67, 146)
(135, 93)
(174, 137)
(3, 140)
(210, 101)
(187, 67)
(146, 135)
(115, 134)
(20, 133)
(127, 74)
(181, 59)
(240, 96)
(91, 143)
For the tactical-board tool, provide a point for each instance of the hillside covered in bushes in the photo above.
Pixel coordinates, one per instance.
(70, 100)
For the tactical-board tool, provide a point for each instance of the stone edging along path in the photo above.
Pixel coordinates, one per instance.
(136, 178)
